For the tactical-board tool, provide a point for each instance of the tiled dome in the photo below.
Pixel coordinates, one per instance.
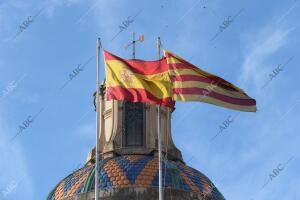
(136, 171)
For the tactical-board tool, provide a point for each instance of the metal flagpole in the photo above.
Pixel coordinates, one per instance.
(160, 186)
(98, 122)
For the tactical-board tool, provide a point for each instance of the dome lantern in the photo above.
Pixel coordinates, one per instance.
(129, 161)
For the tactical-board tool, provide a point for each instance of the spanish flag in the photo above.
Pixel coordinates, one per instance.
(190, 83)
(138, 81)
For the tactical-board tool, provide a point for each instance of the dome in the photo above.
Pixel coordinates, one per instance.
(133, 172)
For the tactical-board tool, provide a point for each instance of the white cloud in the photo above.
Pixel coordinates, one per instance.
(113, 14)
(15, 178)
(52, 5)
(13, 12)
(269, 41)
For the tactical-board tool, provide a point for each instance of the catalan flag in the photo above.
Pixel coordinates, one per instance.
(190, 83)
(138, 81)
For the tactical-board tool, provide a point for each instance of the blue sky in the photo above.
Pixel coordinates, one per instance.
(37, 59)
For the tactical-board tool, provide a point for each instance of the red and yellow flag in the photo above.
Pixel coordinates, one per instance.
(193, 84)
(138, 80)
(168, 80)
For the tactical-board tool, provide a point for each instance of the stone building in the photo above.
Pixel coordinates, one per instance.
(129, 161)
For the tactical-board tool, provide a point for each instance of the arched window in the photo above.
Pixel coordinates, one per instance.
(133, 124)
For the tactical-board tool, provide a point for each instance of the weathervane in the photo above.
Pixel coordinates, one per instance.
(141, 39)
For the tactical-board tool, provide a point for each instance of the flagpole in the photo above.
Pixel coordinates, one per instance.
(160, 186)
(98, 121)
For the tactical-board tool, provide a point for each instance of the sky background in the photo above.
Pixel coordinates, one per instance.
(36, 61)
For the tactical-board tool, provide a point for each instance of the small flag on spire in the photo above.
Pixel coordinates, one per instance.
(141, 38)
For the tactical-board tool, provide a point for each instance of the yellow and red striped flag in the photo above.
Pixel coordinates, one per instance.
(138, 81)
(193, 84)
